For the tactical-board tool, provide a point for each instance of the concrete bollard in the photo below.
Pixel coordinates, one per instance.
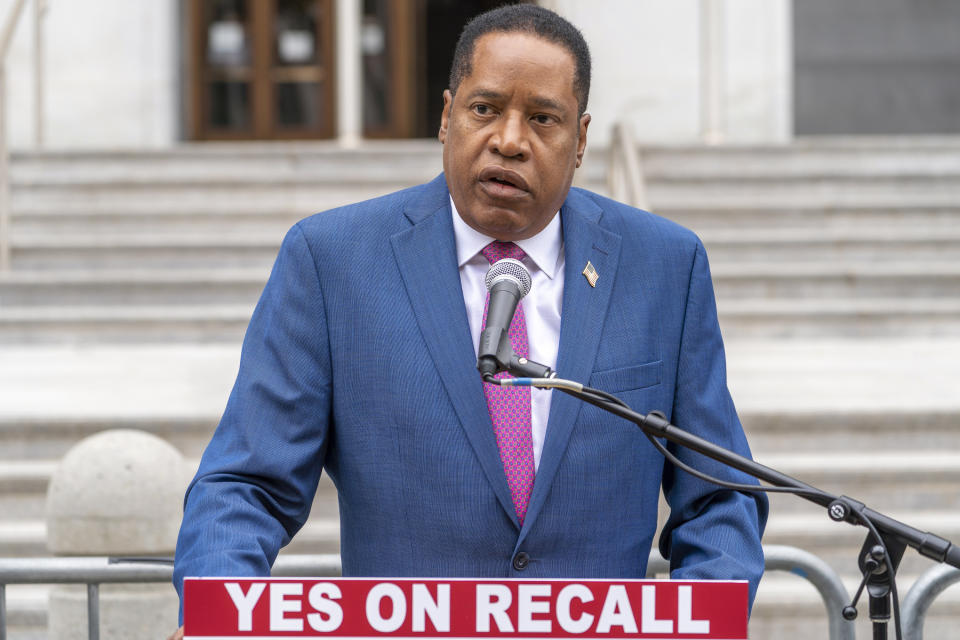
(116, 493)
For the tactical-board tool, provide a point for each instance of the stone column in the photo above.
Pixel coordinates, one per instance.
(349, 90)
(116, 493)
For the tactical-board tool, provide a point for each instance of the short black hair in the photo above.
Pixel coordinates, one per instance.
(533, 20)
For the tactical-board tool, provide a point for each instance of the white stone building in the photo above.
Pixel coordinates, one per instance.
(151, 73)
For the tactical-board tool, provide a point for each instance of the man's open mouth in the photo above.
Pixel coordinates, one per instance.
(503, 182)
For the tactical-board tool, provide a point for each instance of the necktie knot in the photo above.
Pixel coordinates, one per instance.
(497, 250)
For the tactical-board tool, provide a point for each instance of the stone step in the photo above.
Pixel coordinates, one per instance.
(838, 544)
(230, 248)
(224, 159)
(857, 318)
(851, 187)
(214, 215)
(803, 433)
(117, 324)
(136, 219)
(222, 173)
(811, 156)
(302, 199)
(831, 156)
(320, 190)
(209, 218)
(22, 538)
(226, 323)
(841, 217)
(31, 439)
(846, 182)
(806, 193)
(132, 287)
(309, 196)
(23, 488)
(153, 251)
(790, 280)
(816, 432)
(835, 246)
(27, 606)
(884, 480)
(913, 281)
(406, 164)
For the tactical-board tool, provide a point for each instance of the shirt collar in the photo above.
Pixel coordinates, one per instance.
(543, 249)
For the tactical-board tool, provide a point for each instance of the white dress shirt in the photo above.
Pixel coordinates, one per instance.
(541, 307)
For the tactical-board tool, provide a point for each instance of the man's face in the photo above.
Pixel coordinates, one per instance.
(511, 137)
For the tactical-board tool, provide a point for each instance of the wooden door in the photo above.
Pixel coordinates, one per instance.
(391, 36)
(261, 69)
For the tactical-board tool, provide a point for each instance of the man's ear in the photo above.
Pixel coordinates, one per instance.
(582, 139)
(445, 116)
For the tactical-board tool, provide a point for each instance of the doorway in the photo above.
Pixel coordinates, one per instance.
(261, 69)
(407, 50)
(264, 69)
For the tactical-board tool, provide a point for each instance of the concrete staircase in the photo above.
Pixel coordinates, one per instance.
(836, 271)
(847, 237)
(835, 265)
(171, 245)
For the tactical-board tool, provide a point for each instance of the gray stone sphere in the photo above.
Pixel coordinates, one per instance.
(117, 492)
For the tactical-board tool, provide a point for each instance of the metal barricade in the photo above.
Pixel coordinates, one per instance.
(817, 572)
(913, 610)
(807, 566)
(95, 571)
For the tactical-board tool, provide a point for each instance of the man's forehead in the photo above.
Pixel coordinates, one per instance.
(518, 46)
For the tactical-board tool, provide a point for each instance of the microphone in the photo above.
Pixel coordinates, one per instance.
(507, 282)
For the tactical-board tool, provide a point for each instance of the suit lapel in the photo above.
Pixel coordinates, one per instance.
(426, 255)
(583, 314)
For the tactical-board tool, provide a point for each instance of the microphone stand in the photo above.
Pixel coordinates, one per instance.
(885, 543)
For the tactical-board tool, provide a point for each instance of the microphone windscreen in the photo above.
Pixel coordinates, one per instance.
(512, 269)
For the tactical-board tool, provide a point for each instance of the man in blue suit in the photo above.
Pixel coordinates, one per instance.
(360, 360)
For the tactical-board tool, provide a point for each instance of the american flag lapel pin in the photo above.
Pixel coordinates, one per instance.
(591, 274)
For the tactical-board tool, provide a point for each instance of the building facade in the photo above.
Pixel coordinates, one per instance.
(155, 73)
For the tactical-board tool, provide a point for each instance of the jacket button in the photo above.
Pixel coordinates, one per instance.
(521, 561)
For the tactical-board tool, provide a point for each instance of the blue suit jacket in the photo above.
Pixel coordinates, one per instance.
(358, 360)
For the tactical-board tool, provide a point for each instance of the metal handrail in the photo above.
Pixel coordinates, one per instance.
(6, 37)
(625, 178)
(924, 591)
(94, 571)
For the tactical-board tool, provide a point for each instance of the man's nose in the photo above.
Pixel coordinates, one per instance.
(510, 139)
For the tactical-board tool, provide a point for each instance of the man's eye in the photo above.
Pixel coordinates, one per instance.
(482, 110)
(542, 119)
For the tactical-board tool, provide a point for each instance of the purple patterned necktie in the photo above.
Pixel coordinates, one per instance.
(510, 406)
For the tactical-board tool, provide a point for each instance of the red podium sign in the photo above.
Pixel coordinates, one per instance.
(458, 608)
